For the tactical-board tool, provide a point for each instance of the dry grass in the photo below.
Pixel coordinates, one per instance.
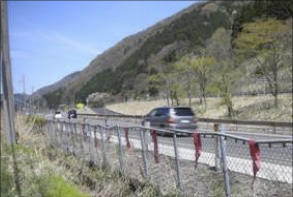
(246, 107)
(38, 162)
(37, 174)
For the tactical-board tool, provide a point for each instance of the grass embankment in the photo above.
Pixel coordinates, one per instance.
(246, 108)
(25, 168)
(45, 171)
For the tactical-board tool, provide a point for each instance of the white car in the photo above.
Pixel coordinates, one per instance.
(58, 115)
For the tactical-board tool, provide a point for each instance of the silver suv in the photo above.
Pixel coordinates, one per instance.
(172, 117)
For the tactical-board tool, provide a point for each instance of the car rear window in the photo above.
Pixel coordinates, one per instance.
(183, 111)
(163, 111)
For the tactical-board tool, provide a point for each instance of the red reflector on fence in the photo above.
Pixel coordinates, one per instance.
(255, 156)
(156, 148)
(128, 145)
(197, 145)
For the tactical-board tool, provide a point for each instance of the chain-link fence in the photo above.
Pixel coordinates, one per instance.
(197, 163)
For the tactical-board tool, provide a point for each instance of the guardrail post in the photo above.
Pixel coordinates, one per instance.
(216, 148)
(128, 145)
(224, 163)
(143, 151)
(178, 173)
(147, 136)
(156, 146)
(120, 149)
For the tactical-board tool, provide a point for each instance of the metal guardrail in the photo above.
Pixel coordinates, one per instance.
(209, 120)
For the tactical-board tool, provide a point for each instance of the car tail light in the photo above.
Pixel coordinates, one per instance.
(171, 121)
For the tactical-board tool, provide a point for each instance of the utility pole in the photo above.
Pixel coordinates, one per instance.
(8, 98)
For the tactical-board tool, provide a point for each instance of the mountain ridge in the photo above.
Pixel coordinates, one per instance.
(96, 65)
(124, 70)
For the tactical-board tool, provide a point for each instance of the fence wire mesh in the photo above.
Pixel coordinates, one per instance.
(177, 161)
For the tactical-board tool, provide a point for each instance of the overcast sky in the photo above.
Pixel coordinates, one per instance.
(49, 40)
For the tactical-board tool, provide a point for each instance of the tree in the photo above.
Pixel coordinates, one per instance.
(263, 40)
(183, 68)
(223, 82)
(197, 66)
(201, 66)
(167, 81)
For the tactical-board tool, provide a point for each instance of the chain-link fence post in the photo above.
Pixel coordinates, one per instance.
(95, 145)
(105, 162)
(67, 137)
(55, 134)
(72, 138)
(89, 135)
(216, 148)
(75, 135)
(49, 132)
(81, 138)
(60, 130)
(178, 170)
(143, 151)
(224, 162)
(120, 149)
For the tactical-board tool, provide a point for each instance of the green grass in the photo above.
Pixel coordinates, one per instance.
(37, 177)
(7, 180)
(58, 187)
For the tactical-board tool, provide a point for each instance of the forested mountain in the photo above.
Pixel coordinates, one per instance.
(190, 54)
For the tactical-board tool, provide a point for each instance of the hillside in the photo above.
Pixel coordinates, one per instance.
(109, 59)
(63, 82)
(133, 68)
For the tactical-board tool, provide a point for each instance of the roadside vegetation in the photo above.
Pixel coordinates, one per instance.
(245, 107)
(35, 168)
(26, 169)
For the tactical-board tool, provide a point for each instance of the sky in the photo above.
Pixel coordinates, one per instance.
(49, 40)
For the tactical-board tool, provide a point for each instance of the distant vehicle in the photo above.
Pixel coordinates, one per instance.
(58, 115)
(182, 118)
(72, 114)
